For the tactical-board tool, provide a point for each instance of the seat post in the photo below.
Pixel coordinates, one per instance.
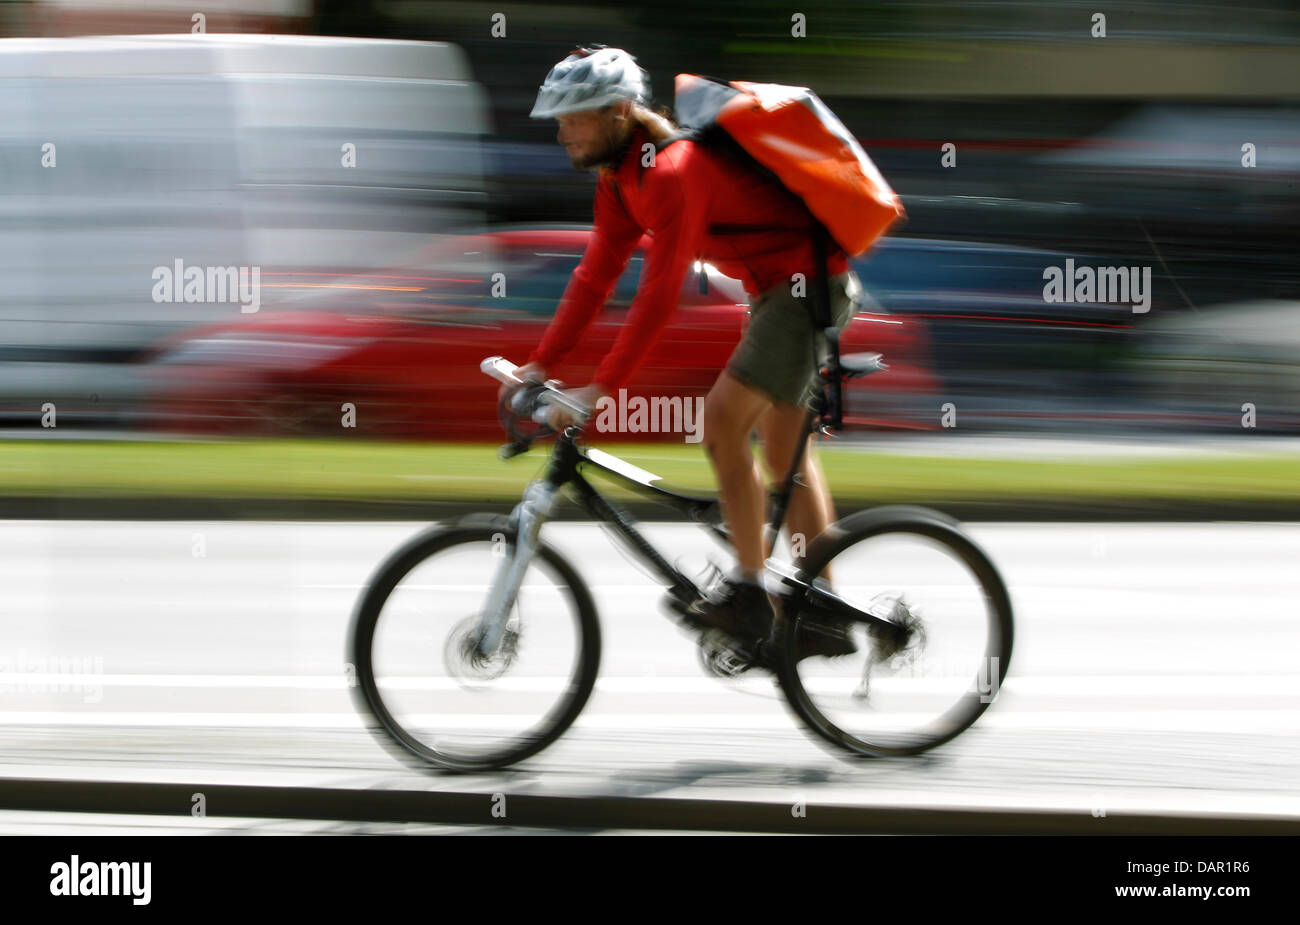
(789, 482)
(824, 323)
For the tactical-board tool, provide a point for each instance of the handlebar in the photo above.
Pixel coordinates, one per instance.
(533, 402)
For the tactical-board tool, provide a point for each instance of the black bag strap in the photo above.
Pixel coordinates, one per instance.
(820, 309)
(821, 301)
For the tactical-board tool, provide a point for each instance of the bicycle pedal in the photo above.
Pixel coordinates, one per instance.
(680, 614)
(721, 655)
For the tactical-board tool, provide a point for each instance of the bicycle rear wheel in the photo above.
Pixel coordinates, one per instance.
(919, 685)
(420, 677)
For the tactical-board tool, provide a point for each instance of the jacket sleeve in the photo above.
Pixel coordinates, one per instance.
(614, 238)
(676, 220)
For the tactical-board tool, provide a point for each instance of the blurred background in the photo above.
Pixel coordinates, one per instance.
(375, 163)
(390, 216)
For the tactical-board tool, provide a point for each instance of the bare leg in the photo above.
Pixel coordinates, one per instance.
(811, 509)
(731, 410)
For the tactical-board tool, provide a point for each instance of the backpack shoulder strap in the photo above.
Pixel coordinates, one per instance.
(821, 301)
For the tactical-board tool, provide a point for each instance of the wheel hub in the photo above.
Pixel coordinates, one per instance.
(467, 664)
(902, 638)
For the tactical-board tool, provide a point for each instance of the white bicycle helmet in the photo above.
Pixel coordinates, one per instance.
(590, 78)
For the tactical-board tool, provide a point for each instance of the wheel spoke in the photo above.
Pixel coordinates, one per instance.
(933, 668)
(434, 692)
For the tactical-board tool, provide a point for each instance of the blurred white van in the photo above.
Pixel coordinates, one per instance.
(125, 153)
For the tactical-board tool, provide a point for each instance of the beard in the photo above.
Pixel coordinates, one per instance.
(610, 155)
(591, 161)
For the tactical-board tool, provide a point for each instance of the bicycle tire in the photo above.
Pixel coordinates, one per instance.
(370, 700)
(937, 528)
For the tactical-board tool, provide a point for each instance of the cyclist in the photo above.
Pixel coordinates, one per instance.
(698, 203)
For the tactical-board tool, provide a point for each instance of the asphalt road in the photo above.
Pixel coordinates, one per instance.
(1156, 669)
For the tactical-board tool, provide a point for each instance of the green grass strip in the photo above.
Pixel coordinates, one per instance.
(412, 471)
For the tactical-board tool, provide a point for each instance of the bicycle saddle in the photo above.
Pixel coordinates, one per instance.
(861, 364)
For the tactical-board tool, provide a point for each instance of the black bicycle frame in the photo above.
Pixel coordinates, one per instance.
(568, 460)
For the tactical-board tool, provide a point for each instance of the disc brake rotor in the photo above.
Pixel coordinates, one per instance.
(467, 665)
(893, 647)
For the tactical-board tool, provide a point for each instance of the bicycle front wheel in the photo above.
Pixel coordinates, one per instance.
(935, 668)
(424, 681)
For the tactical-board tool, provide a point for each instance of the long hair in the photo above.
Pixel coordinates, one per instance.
(657, 122)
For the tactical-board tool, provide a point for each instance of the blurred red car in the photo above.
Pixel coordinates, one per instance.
(404, 348)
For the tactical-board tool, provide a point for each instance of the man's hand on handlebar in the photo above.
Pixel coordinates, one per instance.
(588, 397)
(529, 371)
(557, 417)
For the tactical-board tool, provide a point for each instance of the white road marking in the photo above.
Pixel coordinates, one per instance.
(1193, 720)
(1213, 687)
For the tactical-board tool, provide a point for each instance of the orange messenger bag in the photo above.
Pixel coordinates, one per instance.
(789, 131)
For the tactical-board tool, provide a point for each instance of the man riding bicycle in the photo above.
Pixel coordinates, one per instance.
(698, 203)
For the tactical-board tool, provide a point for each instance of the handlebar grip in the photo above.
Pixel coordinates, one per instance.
(500, 369)
(530, 400)
(554, 397)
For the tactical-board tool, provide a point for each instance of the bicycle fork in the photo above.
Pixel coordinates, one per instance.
(526, 523)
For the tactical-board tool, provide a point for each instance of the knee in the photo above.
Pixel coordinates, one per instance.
(724, 436)
(726, 449)
(777, 455)
(780, 442)
(730, 454)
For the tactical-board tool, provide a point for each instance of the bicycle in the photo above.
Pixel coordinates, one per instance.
(516, 630)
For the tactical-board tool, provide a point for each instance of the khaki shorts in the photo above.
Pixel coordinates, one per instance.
(780, 350)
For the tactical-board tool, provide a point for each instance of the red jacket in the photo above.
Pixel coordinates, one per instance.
(696, 204)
